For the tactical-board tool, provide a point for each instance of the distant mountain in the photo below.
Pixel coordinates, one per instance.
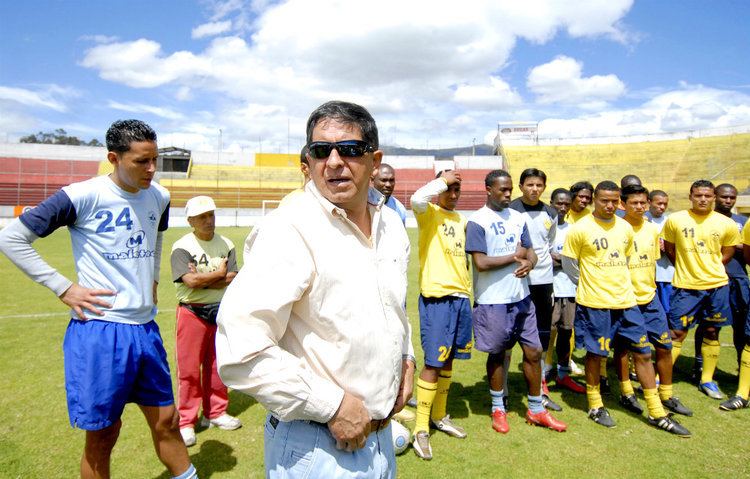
(480, 150)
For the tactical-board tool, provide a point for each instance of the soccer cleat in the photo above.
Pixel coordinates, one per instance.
(500, 421)
(405, 415)
(675, 405)
(668, 424)
(631, 404)
(447, 426)
(225, 422)
(734, 403)
(570, 384)
(550, 404)
(711, 389)
(604, 387)
(188, 436)
(545, 419)
(545, 389)
(422, 446)
(601, 416)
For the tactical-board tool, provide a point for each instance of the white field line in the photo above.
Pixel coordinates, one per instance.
(36, 315)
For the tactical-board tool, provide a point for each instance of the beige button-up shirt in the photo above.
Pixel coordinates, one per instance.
(318, 309)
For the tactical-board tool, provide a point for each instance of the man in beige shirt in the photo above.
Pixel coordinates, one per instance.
(314, 326)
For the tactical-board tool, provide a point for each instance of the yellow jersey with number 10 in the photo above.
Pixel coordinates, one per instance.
(698, 240)
(642, 263)
(602, 248)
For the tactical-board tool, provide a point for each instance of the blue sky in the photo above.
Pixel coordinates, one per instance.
(431, 72)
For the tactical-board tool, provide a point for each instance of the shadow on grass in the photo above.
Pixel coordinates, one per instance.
(213, 457)
(239, 403)
(475, 399)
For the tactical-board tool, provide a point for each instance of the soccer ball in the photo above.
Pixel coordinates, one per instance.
(401, 437)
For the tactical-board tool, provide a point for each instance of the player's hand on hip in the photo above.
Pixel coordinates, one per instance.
(80, 299)
(524, 266)
(351, 423)
(406, 388)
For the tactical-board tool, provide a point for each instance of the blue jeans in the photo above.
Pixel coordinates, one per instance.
(307, 449)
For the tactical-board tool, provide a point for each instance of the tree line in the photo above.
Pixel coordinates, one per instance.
(58, 137)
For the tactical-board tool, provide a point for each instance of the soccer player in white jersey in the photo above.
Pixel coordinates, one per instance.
(498, 240)
(113, 349)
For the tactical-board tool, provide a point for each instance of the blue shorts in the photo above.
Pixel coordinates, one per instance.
(110, 364)
(498, 327)
(597, 330)
(663, 292)
(692, 306)
(445, 329)
(739, 302)
(657, 328)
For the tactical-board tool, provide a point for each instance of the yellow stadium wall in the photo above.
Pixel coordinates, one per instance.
(276, 159)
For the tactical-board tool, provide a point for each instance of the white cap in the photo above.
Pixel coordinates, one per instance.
(199, 205)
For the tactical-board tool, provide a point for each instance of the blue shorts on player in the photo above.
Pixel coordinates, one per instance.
(109, 364)
(445, 328)
(598, 330)
(657, 327)
(498, 327)
(689, 307)
(739, 302)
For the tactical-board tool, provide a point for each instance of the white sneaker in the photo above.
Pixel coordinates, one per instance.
(575, 370)
(225, 422)
(188, 436)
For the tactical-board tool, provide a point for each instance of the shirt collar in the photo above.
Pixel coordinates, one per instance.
(374, 199)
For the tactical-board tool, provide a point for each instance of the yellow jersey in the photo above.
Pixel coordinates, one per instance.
(443, 269)
(746, 234)
(642, 263)
(572, 217)
(698, 240)
(602, 249)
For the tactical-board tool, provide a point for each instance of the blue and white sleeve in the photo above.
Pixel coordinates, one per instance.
(475, 240)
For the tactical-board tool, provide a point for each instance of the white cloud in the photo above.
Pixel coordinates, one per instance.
(494, 95)
(211, 29)
(51, 97)
(138, 108)
(561, 81)
(98, 38)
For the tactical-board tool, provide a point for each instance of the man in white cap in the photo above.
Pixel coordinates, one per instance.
(203, 265)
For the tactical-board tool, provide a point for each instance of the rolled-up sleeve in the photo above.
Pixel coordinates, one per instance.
(254, 316)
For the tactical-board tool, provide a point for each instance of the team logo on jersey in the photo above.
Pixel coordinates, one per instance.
(152, 216)
(643, 257)
(136, 239)
(701, 243)
(134, 245)
(614, 255)
(511, 239)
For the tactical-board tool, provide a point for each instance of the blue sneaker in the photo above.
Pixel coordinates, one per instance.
(711, 389)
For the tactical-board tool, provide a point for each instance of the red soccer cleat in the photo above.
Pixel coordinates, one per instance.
(500, 421)
(570, 384)
(545, 419)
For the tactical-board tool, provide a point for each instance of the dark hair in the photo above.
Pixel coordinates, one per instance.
(606, 185)
(581, 185)
(559, 191)
(632, 190)
(533, 172)
(656, 193)
(724, 186)
(629, 180)
(124, 132)
(440, 173)
(303, 156)
(701, 184)
(493, 175)
(347, 113)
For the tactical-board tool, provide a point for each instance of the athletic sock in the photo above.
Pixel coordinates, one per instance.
(743, 388)
(676, 350)
(626, 388)
(665, 391)
(191, 473)
(710, 351)
(594, 397)
(425, 397)
(549, 357)
(535, 404)
(653, 404)
(439, 405)
(497, 400)
(563, 370)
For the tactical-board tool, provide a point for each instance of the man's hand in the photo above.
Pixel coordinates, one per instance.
(406, 388)
(524, 266)
(80, 298)
(351, 424)
(451, 177)
(223, 266)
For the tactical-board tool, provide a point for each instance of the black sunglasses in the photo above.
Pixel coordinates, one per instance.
(348, 148)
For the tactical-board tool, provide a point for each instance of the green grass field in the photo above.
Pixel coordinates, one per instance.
(36, 439)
